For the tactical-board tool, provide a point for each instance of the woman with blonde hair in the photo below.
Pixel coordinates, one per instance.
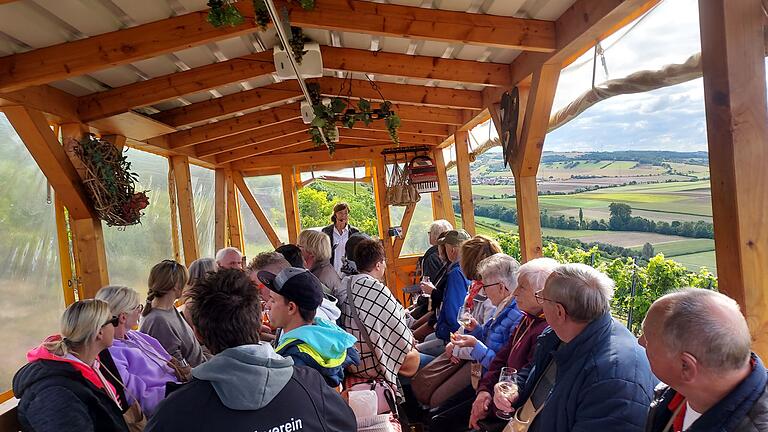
(161, 319)
(145, 367)
(63, 387)
(316, 251)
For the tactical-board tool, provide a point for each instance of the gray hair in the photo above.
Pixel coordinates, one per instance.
(121, 299)
(502, 266)
(584, 292)
(537, 271)
(691, 323)
(200, 268)
(222, 253)
(438, 227)
(267, 259)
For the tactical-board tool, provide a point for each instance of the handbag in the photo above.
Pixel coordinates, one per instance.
(432, 376)
(385, 393)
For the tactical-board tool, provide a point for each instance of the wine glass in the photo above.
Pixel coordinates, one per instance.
(464, 317)
(507, 387)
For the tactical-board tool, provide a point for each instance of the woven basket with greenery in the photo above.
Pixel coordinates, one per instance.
(110, 182)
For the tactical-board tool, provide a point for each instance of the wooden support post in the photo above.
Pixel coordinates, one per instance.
(186, 205)
(68, 280)
(174, 212)
(461, 138)
(404, 224)
(291, 204)
(529, 222)
(256, 209)
(89, 242)
(116, 140)
(737, 131)
(220, 210)
(380, 196)
(234, 225)
(444, 192)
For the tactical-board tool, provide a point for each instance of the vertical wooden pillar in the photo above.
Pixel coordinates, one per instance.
(88, 234)
(69, 283)
(444, 192)
(461, 139)
(291, 203)
(220, 210)
(234, 225)
(737, 130)
(528, 219)
(185, 201)
(380, 195)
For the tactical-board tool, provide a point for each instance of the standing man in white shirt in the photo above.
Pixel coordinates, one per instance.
(339, 232)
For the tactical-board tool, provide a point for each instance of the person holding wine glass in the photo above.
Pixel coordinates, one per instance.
(588, 372)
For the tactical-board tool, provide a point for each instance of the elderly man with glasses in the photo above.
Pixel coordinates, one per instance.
(698, 343)
(588, 373)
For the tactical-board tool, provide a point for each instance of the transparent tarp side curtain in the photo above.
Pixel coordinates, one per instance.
(268, 192)
(31, 296)
(133, 250)
(203, 194)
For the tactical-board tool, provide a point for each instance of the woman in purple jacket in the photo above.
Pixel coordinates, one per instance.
(145, 367)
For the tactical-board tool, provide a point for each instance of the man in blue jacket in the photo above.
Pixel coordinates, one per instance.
(588, 373)
(698, 343)
(246, 386)
(310, 341)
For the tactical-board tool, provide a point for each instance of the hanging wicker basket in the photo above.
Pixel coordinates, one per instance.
(110, 183)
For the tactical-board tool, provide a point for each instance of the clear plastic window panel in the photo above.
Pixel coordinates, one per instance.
(203, 192)
(268, 192)
(133, 250)
(30, 276)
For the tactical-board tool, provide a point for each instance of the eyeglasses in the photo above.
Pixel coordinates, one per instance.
(541, 299)
(485, 287)
(115, 321)
(139, 307)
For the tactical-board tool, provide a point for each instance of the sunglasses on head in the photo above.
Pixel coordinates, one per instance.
(115, 321)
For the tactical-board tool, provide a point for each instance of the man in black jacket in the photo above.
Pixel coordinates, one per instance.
(698, 344)
(339, 232)
(246, 386)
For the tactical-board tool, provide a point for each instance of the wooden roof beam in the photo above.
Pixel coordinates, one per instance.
(405, 138)
(71, 59)
(289, 144)
(426, 24)
(308, 158)
(230, 104)
(245, 139)
(286, 91)
(155, 90)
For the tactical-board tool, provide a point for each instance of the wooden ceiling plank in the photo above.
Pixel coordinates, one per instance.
(79, 57)
(229, 104)
(289, 143)
(308, 158)
(162, 88)
(245, 139)
(427, 24)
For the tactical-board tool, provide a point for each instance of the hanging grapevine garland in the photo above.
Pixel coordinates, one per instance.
(224, 12)
(110, 183)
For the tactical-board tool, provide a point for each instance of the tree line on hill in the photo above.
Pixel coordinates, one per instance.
(643, 157)
(621, 219)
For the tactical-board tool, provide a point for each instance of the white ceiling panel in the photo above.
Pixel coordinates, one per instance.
(7, 47)
(455, 5)
(234, 47)
(355, 40)
(503, 56)
(24, 23)
(156, 66)
(196, 56)
(469, 52)
(323, 37)
(90, 18)
(505, 7)
(198, 97)
(229, 89)
(71, 88)
(550, 10)
(144, 11)
(116, 76)
(433, 49)
(169, 104)
(403, 2)
(261, 81)
(394, 45)
(192, 5)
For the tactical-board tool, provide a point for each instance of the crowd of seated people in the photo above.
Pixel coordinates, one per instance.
(284, 344)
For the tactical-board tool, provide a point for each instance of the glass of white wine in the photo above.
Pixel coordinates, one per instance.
(465, 316)
(507, 387)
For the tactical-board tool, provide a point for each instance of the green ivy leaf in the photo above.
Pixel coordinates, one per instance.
(364, 105)
(338, 105)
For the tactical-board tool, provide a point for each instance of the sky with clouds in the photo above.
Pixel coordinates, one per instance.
(670, 118)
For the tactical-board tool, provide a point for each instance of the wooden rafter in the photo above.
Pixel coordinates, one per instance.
(230, 126)
(379, 135)
(286, 91)
(431, 24)
(319, 156)
(465, 182)
(143, 93)
(119, 47)
(230, 104)
(527, 155)
(256, 209)
(288, 143)
(245, 139)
